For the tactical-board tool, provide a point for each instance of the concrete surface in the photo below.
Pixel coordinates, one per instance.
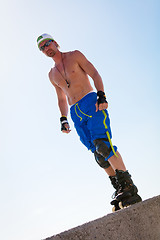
(138, 222)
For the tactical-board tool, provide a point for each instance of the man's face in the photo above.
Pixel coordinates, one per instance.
(48, 48)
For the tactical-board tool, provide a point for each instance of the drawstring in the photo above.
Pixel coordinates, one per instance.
(76, 105)
(108, 135)
(77, 113)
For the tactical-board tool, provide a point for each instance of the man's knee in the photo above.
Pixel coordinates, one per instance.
(101, 160)
(102, 148)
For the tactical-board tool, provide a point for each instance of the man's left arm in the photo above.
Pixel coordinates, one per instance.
(98, 83)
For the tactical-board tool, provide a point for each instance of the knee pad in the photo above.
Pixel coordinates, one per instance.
(101, 160)
(101, 147)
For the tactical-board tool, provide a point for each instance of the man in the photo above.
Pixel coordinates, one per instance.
(89, 113)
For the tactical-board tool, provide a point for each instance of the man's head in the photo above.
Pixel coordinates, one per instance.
(47, 44)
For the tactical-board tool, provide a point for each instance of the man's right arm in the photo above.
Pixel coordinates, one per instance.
(62, 102)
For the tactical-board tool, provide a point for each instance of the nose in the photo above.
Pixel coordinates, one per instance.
(46, 48)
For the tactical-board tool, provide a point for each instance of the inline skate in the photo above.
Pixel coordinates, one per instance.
(126, 192)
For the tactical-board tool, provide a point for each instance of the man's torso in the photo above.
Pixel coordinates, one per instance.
(69, 69)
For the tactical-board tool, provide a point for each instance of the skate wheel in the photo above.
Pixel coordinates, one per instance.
(114, 209)
(121, 205)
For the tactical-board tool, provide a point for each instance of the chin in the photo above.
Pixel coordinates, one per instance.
(51, 54)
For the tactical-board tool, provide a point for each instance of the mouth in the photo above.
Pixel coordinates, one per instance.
(50, 53)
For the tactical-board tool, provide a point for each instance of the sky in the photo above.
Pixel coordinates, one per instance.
(49, 182)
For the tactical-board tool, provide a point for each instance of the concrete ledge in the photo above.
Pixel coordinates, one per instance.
(138, 222)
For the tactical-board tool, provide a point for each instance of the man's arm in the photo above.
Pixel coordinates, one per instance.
(62, 103)
(93, 73)
(90, 70)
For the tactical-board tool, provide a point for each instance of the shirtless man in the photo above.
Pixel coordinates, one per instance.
(88, 111)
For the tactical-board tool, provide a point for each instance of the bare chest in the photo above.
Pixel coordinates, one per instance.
(66, 72)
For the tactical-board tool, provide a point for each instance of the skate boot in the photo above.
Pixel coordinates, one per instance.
(117, 186)
(127, 193)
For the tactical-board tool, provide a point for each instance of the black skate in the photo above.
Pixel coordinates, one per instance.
(115, 184)
(128, 201)
(126, 193)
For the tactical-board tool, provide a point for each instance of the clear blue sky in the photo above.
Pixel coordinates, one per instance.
(49, 182)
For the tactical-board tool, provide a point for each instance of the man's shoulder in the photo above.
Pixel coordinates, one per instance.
(76, 54)
(51, 73)
(73, 53)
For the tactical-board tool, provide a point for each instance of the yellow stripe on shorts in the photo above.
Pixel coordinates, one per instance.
(108, 135)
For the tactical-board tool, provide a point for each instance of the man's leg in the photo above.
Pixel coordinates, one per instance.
(110, 171)
(117, 162)
(110, 159)
(107, 157)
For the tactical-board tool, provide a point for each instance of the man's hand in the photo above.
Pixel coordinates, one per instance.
(101, 106)
(65, 128)
(101, 103)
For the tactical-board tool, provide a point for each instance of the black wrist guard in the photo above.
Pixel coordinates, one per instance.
(101, 97)
(63, 121)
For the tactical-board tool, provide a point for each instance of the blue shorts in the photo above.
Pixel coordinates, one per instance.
(91, 125)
